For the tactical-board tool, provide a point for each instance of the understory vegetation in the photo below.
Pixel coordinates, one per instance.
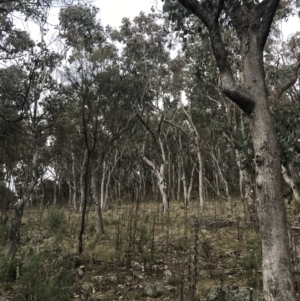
(186, 252)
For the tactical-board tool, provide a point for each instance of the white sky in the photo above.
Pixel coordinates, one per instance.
(113, 11)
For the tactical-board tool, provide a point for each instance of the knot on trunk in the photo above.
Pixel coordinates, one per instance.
(259, 160)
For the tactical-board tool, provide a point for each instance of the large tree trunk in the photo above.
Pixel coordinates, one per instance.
(277, 275)
(252, 24)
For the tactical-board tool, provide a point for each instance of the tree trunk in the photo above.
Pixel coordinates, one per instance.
(246, 189)
(178, 180)
(74, 200)
(200, 177)
(252, 26)
(289, 180)
(83, 203)
(160, 175)
(82, 181)
(96, 198)
(14, 232)
(277, 275)
(102, 204)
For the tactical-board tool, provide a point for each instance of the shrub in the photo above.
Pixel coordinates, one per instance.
(46, 278)
(55, 218)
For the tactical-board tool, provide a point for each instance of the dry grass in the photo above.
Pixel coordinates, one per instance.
(201, 249)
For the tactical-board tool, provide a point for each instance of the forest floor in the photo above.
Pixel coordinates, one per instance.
(143, 254)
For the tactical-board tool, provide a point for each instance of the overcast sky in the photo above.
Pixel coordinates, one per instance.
(113, 11)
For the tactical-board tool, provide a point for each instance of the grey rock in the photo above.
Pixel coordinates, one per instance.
(154, 290)
(80, 271)
(168, 273)
(128, 278)
(99, 279)
(137, 266)
(234, 293)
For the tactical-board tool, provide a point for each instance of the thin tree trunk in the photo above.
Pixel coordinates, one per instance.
(102, 204)
(223, 180)
(96, 198)
(178, 180)
(14, 232)
(200, 177)
(82, 181)
(74, 200)
(289, 180)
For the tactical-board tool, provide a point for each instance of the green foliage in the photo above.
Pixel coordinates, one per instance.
(55, 218)
(46, 278)
(252, 261)
(78, 25)
(147, 217)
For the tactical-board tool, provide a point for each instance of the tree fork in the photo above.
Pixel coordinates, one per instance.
(253, 26)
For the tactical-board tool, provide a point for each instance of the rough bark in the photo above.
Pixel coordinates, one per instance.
(253, 27)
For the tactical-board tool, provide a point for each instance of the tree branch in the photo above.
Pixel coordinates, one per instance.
(266, 10)
(289, 81)
(229, 86)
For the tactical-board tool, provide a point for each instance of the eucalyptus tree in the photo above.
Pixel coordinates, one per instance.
(82, 33)
(145, 60)
(252, 22)
(99, 89)
(280, 58)
(27, 95)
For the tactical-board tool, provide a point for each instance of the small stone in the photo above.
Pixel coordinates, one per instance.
(168, 273)
(80, 271)
(154, 290)
(137, 266)
(99, 279)
(234, 293)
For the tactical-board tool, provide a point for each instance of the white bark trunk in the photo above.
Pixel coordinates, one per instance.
(74, 199)
(82, 187)
(289, 180)
(96, 199)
